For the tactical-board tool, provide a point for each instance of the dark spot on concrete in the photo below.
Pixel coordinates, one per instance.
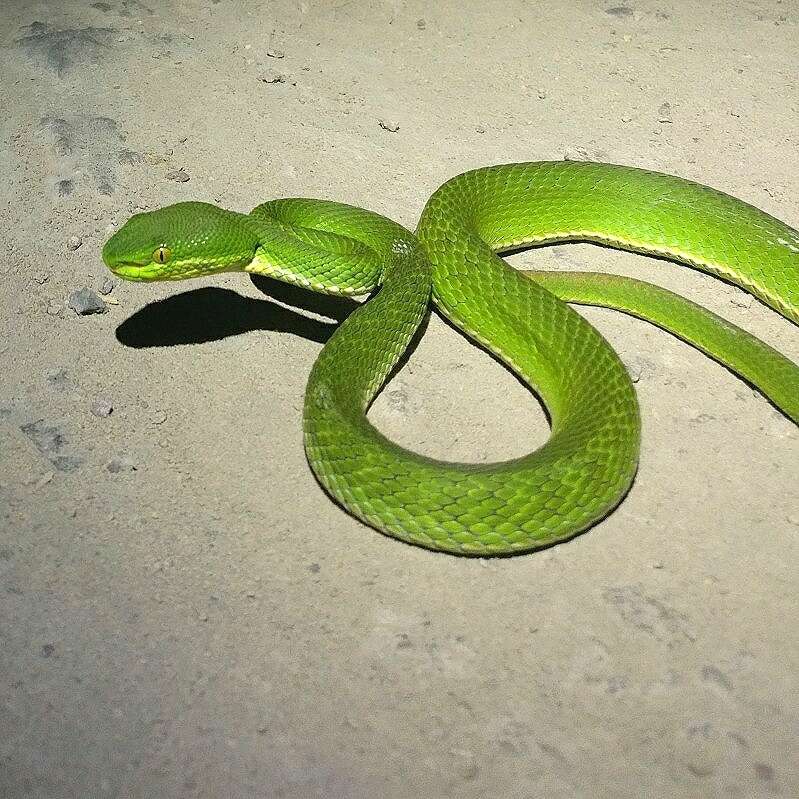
(649, 614)
(49, 440)
(121, 464)
(48, 650)
(619, 11)
(700, 771)
(404, 641)
(6, 553)
(764, 772)
(552, 751)
(61, 50)
(84, 146)
(314, 568)
(132, 8)
(128, 157)
(717, 676)
(58, 379)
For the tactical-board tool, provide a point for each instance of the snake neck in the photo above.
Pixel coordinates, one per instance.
(325, 246)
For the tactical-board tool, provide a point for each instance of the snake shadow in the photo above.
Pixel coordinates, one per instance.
(211, 313)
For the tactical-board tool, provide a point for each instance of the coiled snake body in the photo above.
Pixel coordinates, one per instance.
(585, 468)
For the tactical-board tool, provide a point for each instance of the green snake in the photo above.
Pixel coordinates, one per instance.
(588, 463)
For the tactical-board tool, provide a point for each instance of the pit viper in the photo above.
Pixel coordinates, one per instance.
(588, 463)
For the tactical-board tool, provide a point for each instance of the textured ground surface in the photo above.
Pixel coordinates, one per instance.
(183, 612)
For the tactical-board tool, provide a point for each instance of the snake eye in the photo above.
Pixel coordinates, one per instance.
(162, 255)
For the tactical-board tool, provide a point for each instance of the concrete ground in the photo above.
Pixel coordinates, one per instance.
(183, 611)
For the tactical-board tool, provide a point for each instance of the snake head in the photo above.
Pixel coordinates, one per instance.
(179, 241)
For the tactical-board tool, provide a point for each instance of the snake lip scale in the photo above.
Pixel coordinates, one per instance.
(585, 468)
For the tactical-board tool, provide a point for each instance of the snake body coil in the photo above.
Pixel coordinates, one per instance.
(589, 461)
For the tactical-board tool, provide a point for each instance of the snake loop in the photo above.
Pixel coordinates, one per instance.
(585, 468)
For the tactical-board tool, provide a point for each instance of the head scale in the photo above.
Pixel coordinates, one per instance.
(180, 241)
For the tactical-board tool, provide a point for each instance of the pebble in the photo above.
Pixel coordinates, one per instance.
(741, 300)
(85, 302)
(107, 287)
(390, 126)
(664, 114)
(637, 367)
(577, 154)
(178, 175)
(274, 53)
(73, 242)
(272, 76)
(102, 407)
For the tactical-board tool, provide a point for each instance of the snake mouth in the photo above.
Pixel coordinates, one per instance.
(135, 271)
(130, 270)
(127, 268)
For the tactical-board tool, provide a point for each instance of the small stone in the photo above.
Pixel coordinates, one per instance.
(275, 53)
(178, 175)
(272, 76)
(664, 114)
(480, 129)
(159, 417)
(637, 367)
(421, 24)
(577, 154)
(46, 478)
(85, 302)
(74, 242)
(102, 407)
(48, 650)
(107, 287)
(741, 300)
(390, 126)
(55, 308)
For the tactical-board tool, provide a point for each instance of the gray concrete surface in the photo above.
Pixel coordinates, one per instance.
(183, 612)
